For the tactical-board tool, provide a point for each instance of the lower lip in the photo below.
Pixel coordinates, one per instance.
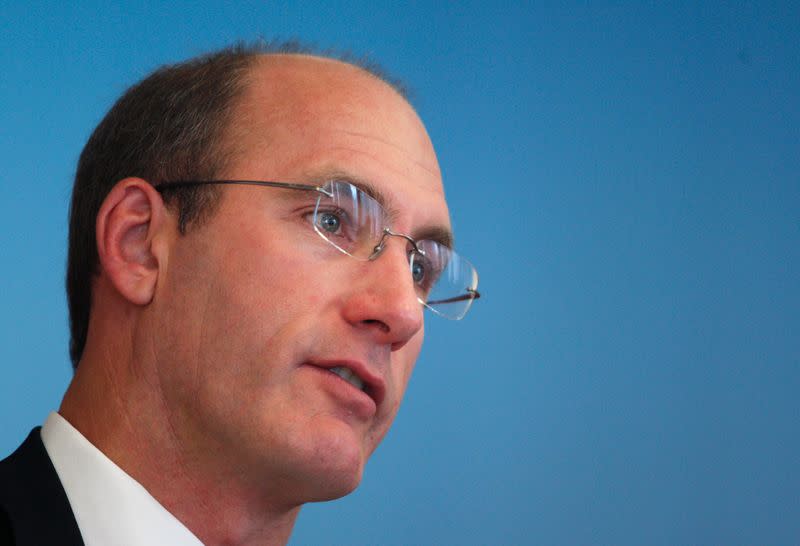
(355, 401)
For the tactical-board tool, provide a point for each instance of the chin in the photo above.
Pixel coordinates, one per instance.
(335, 488)
(334, 462)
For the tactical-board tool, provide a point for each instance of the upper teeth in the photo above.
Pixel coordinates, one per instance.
(348, 375)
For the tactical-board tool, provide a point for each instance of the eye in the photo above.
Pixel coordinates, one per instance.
(426, 268)
(423, 272)
(418, 270)
(336, 225)
(329, 222)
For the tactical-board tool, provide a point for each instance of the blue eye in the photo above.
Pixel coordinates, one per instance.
(418, 271)
(329, 222)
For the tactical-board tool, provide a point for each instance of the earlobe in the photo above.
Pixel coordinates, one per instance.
(128, 221)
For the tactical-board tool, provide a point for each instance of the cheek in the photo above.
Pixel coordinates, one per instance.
(270, 277)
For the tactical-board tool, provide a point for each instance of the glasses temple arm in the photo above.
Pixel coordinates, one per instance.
(470, 295)
(287, 185)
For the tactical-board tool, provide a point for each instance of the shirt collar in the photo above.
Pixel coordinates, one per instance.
(110, 507)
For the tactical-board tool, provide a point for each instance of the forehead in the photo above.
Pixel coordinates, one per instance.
(302, 118)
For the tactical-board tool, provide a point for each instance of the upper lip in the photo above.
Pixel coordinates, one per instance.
(374, 385)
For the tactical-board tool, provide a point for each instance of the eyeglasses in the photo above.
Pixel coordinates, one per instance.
(355, 223)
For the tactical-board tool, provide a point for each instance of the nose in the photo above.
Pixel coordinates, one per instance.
(383, 301)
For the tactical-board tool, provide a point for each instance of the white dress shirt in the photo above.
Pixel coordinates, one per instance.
(111, 508)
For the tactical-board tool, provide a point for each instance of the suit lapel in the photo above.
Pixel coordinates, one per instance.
(33, 499)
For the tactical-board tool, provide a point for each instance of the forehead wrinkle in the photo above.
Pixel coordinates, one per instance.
(435, 171)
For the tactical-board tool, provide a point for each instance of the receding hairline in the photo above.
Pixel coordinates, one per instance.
(262, 65)
(373, 73)
(278, 78)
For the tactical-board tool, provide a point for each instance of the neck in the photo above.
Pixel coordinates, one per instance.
(119, 412)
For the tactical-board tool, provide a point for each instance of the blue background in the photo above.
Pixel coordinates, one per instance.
(624, 176)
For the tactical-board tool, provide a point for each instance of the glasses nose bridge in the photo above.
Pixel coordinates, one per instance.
(378, 250)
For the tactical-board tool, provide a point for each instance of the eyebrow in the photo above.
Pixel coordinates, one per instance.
(362, 184)
(437, 233)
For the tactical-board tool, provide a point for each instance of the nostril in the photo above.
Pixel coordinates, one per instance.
(380, 324)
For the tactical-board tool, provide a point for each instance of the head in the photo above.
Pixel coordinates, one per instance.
(233, 308)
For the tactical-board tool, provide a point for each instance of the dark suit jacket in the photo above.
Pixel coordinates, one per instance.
(34, 510)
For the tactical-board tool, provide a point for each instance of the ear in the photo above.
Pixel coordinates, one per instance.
(131, 216)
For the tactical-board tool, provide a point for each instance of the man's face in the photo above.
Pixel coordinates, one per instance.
(254, 307)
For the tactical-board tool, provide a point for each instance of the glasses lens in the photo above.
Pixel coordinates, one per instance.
(349, 219)
(446, 282)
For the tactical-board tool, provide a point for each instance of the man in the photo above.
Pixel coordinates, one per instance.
(233, 360)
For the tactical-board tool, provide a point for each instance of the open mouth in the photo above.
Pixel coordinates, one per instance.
(355, 373)
(349, 375)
